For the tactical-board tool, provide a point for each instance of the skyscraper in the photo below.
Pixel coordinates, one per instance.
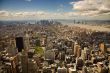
(50, 54)
(62, 70)
(24, 62)
(77, 50)
(102, 47)
(32, 66)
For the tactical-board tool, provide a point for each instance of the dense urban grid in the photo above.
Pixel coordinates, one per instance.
(51, 47)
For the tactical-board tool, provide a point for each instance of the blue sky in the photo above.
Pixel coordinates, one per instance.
(54, 9)
(32, 5)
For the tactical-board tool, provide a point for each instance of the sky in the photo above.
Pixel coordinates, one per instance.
(54, 9)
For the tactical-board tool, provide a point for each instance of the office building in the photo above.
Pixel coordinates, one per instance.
(102, 47)
(62, 70)
(50, 54)
(32, 66)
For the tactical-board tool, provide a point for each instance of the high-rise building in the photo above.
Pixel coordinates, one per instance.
(84, 69)
(32, 66)
(77, 50)
(62, 70)
(69, 51)
(47, 70)
(43, 40)
(11, 64)
(38, 43)
(12, 51)
(14, 63)
(24, 62)
(83, 55)
(19, 43)
(68, 59)
(79, 63)
(7, 68)
(50, 54)
(102, 68)
(102, 48)
(26, 41)
(72, 70)
(31, 52)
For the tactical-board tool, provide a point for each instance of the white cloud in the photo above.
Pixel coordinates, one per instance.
(28, 14)
(92, 7)
(7, 15)
(4, 13)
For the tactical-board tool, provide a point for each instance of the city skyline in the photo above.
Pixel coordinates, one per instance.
(54, 9)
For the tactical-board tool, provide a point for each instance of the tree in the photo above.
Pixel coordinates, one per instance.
(39, 51)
